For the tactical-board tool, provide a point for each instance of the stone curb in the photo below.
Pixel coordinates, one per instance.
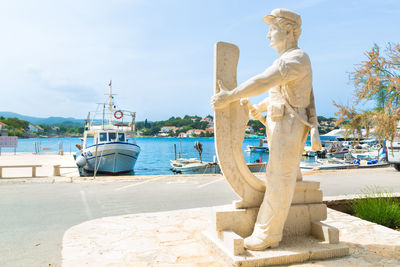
(102, 179)
(343, 202)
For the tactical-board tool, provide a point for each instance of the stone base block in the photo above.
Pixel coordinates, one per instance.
(298, 222)
(325, 232)
(290, 250)
(307, 192)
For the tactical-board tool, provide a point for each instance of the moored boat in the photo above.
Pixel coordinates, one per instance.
(328, 164)
(114, 150)
(195, 166)
(262, 146)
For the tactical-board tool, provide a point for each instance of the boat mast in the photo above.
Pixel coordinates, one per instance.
(110, 103)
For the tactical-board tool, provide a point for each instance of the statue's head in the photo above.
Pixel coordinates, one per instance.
(285, 27)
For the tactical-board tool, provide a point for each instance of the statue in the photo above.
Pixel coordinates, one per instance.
(279, 220)
(291, 116)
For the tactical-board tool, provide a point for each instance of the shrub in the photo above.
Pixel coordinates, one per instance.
(378, 206)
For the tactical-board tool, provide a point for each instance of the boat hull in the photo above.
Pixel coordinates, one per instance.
(257, 149)
(198, 167)
(112, 158)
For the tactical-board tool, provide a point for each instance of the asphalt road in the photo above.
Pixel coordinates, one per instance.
(34, 217)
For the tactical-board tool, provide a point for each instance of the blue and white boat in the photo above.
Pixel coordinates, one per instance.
(262, 147)
(114, 150)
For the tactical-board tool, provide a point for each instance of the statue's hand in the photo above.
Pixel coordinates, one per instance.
(256, 113)
(222, 99)
(315, 139)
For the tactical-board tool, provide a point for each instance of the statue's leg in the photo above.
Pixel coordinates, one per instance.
(304, 139)
(283, 166)
(299, 175)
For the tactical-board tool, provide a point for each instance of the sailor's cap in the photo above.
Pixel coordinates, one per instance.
(283, 13)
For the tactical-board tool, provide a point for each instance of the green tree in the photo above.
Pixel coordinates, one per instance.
(376, 79)
(151, 131)
(80, 129)
(63, 129)
(258, 127)
(16, 123)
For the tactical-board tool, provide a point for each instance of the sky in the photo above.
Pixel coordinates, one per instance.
(57, 57)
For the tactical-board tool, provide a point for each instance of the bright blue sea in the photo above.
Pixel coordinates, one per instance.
(155, 152)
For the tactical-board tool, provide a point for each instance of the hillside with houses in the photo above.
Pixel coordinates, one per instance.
(26, 129)
(195, 126)
(186, 127)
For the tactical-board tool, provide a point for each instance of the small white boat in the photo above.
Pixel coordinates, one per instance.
(195, 166)
(257, 166)
(329, 164)
(308, 152)
(338, 149)
(262, 146)
(114, 150)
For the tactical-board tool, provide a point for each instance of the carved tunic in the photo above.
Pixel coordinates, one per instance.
(295, 68)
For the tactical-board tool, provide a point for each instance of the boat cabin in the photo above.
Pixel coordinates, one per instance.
(103, 137)
(111, 137)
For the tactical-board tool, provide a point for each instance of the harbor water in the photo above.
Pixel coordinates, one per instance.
(155, 154)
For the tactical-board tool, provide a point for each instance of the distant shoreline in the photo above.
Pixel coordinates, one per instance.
(161, 137)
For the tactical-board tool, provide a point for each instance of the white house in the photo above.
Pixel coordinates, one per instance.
(167, 129)
(207, 119)
(249, 129)
(182, 135)
(3, 129)
(35, 128)
(194, 132)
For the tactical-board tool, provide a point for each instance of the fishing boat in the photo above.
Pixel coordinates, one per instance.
(113, 150)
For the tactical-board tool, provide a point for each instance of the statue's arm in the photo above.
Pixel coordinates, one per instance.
(311, 111)
(259, 108)
(258, 84)
(263, 105)
(312, 118)
(252, 87)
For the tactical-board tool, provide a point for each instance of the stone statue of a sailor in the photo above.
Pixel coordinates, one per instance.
(291, 113)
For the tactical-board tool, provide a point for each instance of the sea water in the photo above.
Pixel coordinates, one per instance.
(155, 154)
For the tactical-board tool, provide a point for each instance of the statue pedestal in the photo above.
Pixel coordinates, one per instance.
(305, 237)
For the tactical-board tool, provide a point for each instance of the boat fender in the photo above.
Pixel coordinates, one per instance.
(80, 161)
(118, 114)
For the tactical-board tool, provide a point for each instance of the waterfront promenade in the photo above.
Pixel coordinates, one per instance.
(38, 213)
(46, 160)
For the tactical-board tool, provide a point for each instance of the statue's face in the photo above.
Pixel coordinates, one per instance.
(277, 36)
